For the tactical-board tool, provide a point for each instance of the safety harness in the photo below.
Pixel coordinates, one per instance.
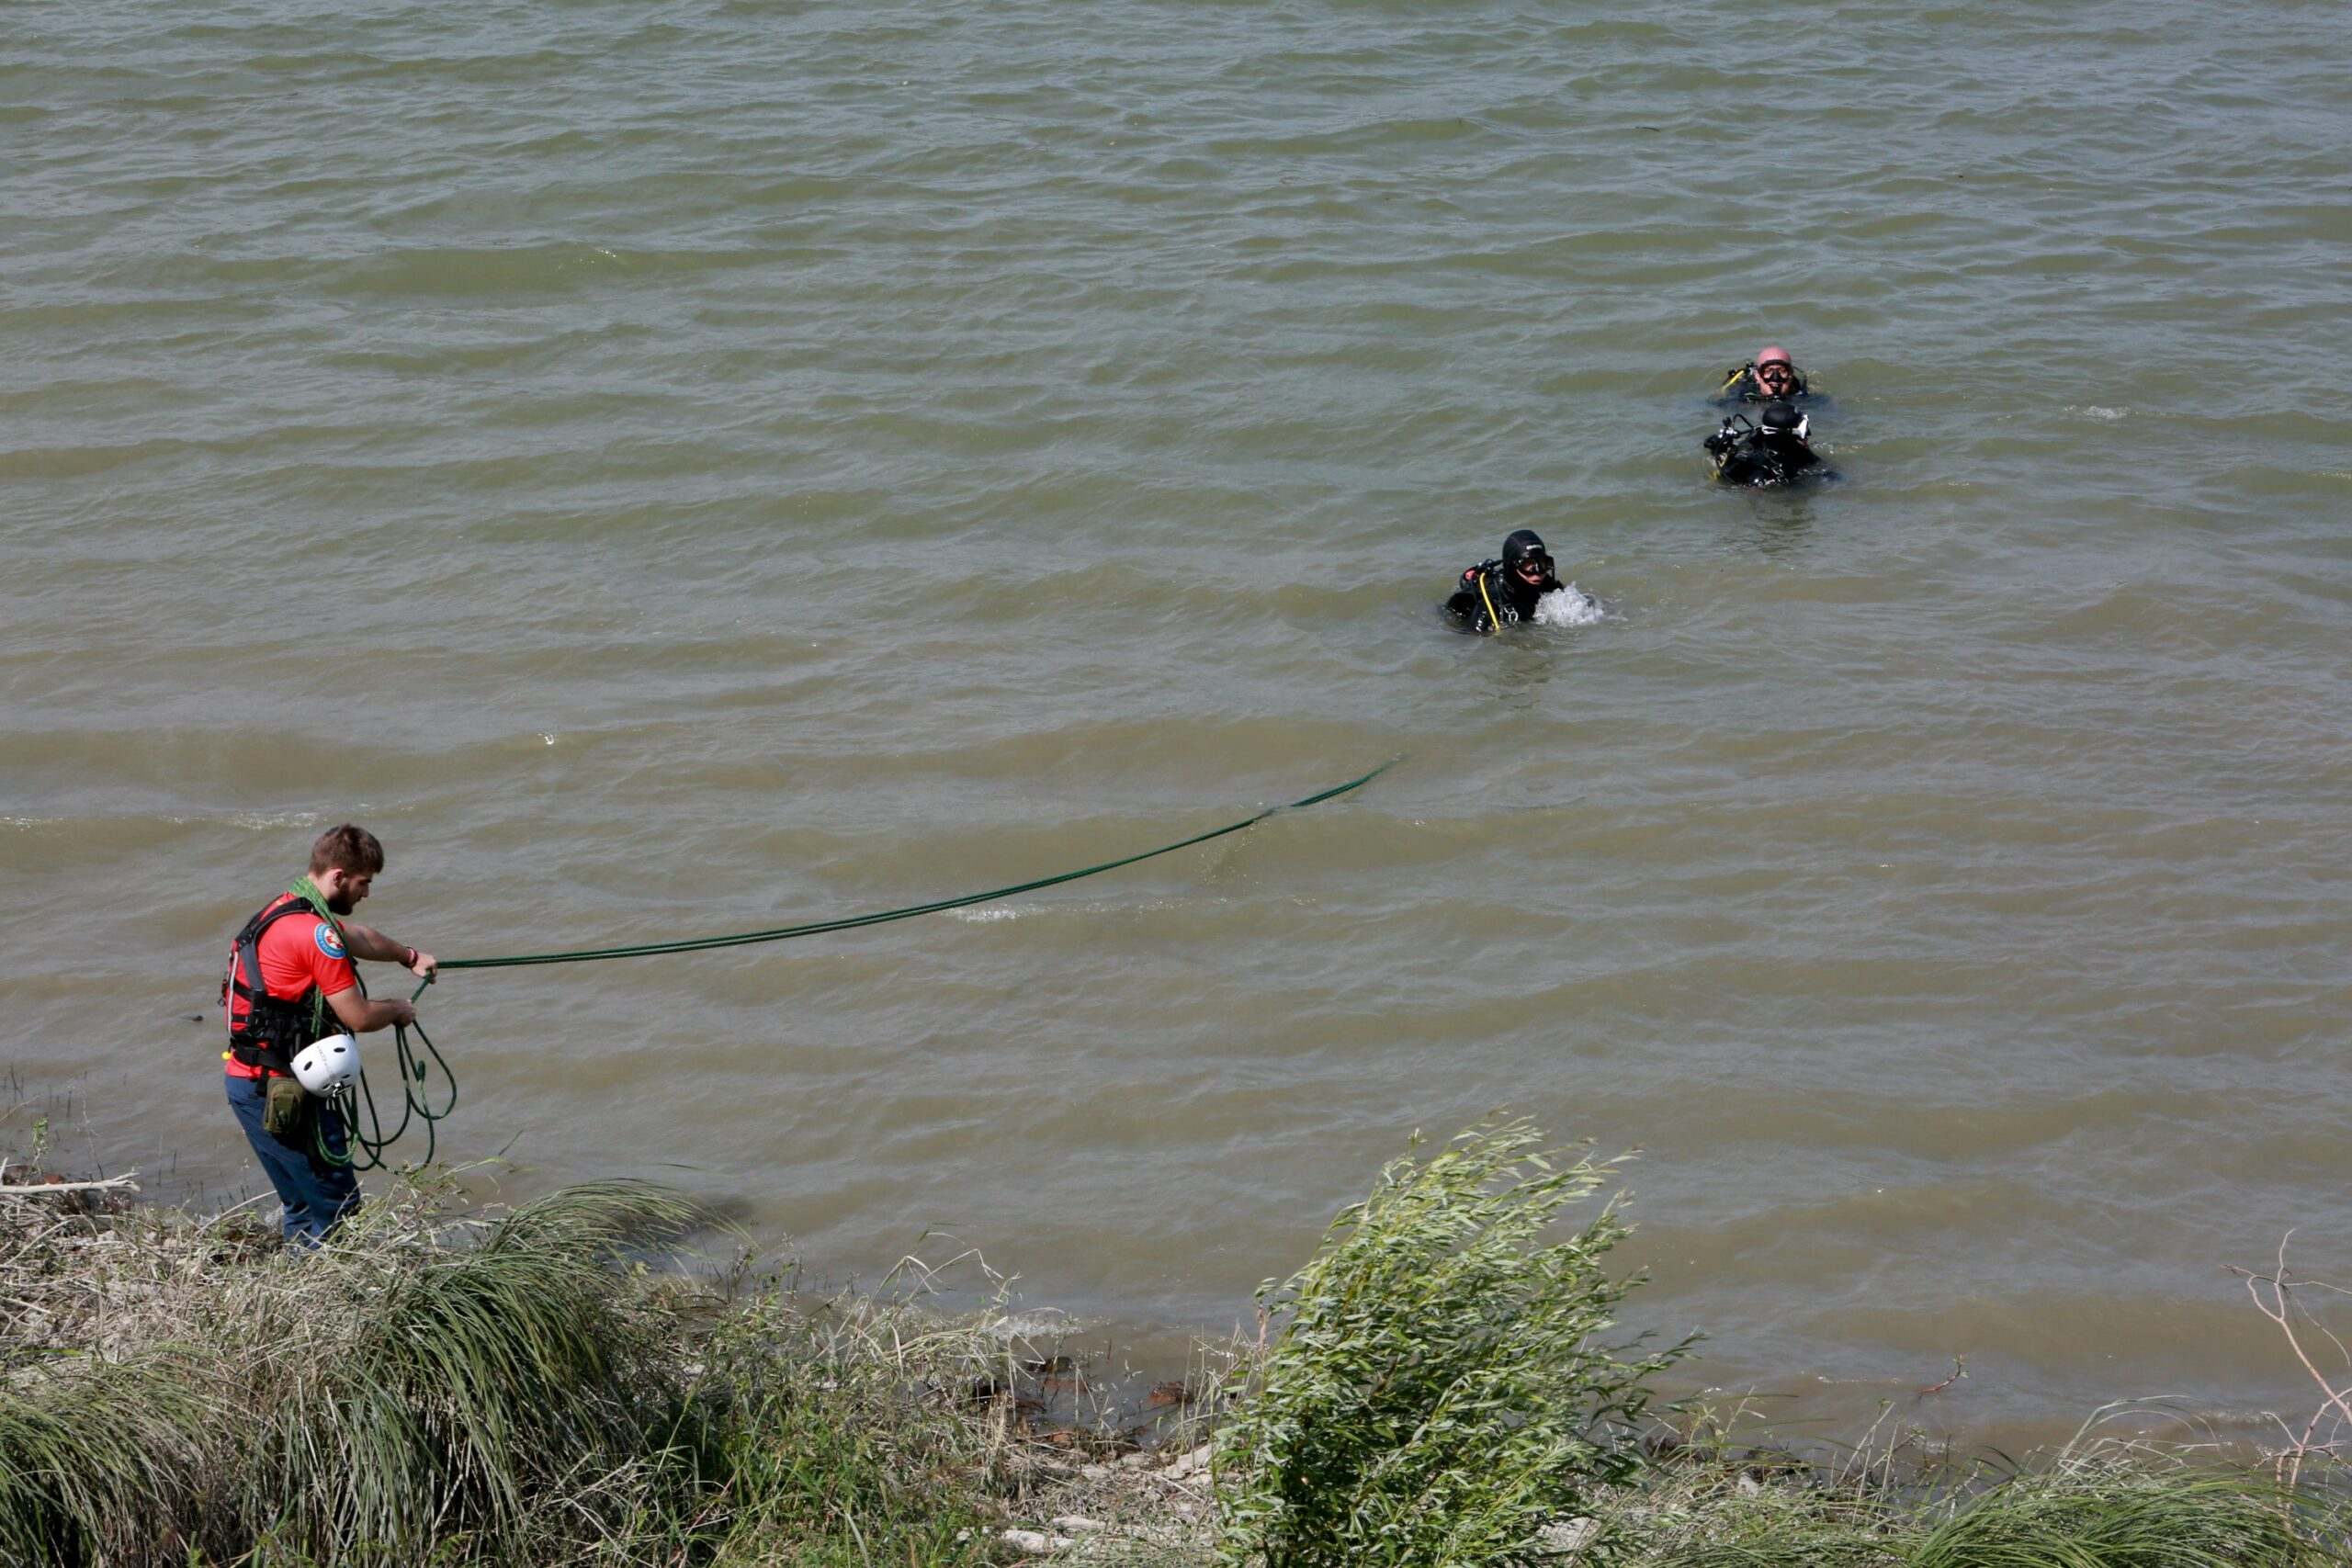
(272, 1029)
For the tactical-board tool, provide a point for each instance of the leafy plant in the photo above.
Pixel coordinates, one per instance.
(1439, 1388)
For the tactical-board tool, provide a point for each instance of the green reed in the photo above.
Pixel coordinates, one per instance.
(1441, 1386)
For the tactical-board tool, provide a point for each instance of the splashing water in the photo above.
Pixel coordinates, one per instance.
(1567, 606)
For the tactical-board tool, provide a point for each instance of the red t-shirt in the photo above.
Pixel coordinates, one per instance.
(297, 953)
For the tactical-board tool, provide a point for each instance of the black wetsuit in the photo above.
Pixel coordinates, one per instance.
(1504, 599)
(1741, 387)
(1760, 457)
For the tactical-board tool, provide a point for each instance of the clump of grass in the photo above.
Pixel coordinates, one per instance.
(457, 1389)
(2097, 1505)
(108, 1448)
(389, 1390)
(857, 1429)
(2114, 1507)
(466, 1384)
(1441, 1385)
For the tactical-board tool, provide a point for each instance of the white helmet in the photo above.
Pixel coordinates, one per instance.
(328, 1064)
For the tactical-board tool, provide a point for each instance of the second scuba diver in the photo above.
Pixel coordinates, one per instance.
(1508, 588)
(1771, 376)
(1772, 451)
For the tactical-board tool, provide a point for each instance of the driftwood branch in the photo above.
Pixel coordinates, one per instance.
(123, 1183)
(2280, 1309)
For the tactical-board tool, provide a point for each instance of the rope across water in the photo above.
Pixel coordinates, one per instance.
(413, 1064)
(851, 922)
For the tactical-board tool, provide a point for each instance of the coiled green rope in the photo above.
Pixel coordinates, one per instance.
(351, 1103)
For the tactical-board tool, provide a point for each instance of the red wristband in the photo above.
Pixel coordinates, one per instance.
(410, 962)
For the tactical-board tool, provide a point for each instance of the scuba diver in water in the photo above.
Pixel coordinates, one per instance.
(1772, 451)
(1771, 376)
(1500, 589)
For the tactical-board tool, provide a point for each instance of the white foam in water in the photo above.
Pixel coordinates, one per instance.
(262, 821)
(2094, 411)
(1567, 606)
(1032, 1326)
(989, 914)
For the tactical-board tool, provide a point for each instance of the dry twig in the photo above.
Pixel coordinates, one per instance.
(2279, 1307)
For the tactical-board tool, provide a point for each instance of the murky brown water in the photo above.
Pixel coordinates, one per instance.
(688, 470)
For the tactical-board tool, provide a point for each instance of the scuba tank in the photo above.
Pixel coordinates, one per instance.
(1772, 451)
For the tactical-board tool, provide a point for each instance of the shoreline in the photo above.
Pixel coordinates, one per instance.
(951, 1420)
(1155, 1350)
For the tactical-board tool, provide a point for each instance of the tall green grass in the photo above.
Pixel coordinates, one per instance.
(454, 1390)
(2117, 1510)
(96, 1465)
(847, 1441)
(386, 1392)
(2104, 1506)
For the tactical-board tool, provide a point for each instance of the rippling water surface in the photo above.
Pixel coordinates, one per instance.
(685, 468)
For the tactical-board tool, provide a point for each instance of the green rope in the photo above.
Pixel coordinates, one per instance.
(851, 922)
(412, 1066)
(351, 1103)
(308, 891)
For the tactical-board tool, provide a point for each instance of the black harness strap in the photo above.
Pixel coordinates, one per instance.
(272, 1029)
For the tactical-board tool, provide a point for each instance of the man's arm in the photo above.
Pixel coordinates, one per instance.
(366, 941)
(365, 1015)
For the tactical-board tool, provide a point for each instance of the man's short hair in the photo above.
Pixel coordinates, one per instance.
(350, 848)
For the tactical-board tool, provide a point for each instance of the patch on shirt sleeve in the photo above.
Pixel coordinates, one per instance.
(330, 940)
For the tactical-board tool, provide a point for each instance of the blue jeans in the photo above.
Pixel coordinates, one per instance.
(315, 1194)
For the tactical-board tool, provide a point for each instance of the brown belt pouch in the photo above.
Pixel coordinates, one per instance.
(285, 1109)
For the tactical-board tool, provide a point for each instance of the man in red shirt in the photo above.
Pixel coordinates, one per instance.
(308, 988)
